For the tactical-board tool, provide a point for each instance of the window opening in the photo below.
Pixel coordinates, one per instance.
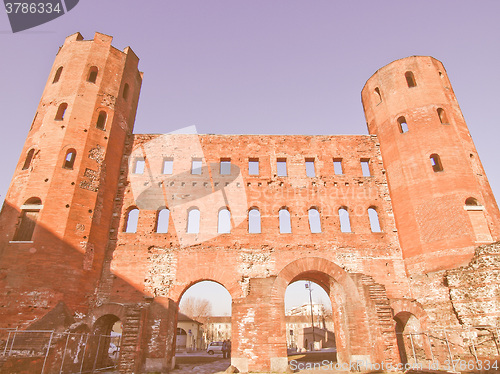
(442, 116)
(436, 162)
(162, 222)
(126, 90)
(101, 120)
(69, 159)
(168, 166)
(314, 221)
(27, 223)
(345, 223)
(253, 166)
(196, 167)
(29, 157)
(225, 166)
(365, 167)
(403, 126)
(92, 74)
(472, 202)
(224, 221)
(132, 220)
(285, 223)
(337, 166)
(193, 226)
(281, 167)
(378, 96)
(61, 111)
(410, 79)
(374, 221)
(254, 225)
(140, 164)
(57, 75)
(310, 171)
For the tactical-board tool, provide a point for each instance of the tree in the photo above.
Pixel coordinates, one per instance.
(197, 309)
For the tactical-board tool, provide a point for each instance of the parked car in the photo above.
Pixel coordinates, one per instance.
(214, 347)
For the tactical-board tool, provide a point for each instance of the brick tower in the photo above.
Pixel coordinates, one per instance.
(442, 201)
(66, 181)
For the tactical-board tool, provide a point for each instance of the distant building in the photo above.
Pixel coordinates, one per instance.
(189, 334)
(217, 329)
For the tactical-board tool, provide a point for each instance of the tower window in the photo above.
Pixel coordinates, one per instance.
(61, 111)
(365, 167)
(162, 221)
(29, 158)
(126, 90)
(345, 223)
(57, 75)
(314, 221)
(281, 167)
(310, 171)
(285, 223)
(472, 202)
(442, 116)
(224, 221)
(378, 97)
(101, 120)
(70, 159)
(254, 226)
(29, 215)
(374, 221)
(253, 166)
(168, 166)
(410, 79)
(132, 220)
(193, 224)
(225, 166)
(436, 162)
(92, 77)
(403, 126)
(337, 166)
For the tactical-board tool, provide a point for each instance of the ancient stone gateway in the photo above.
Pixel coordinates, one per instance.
(102, 225)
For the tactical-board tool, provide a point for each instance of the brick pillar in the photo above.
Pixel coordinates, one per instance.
(159, 342)
(258, 329)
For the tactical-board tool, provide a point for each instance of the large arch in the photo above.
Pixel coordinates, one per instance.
(349, 315)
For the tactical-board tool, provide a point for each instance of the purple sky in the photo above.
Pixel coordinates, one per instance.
(264, 66)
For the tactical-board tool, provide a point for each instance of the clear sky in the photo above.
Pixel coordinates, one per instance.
(264, 66)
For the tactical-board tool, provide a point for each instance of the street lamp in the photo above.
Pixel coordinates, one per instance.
(308, 286)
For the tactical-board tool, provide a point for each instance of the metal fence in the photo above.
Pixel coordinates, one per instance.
(48, 352)
(468, 349)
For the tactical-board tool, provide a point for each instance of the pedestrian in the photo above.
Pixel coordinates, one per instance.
(224, 349)
(229, 348)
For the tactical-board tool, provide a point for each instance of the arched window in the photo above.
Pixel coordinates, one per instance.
(126, 90)
(403, 126)
(132, 220)
(193, 224)
(254, 226)
(470, 201)
(29, 158)
(101, 120)
(345, 223)
(69, 159)
(374, 221)
(60, 111)
(27, 222)
(314, 221)
(224, 221)
(442, 116)
(378, 97)
(162, 221)
(57, 75)
(436, 162)
(92, 77)
(410, 79)
(285, 223)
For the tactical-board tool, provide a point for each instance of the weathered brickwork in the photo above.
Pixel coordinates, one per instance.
(126, 223)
